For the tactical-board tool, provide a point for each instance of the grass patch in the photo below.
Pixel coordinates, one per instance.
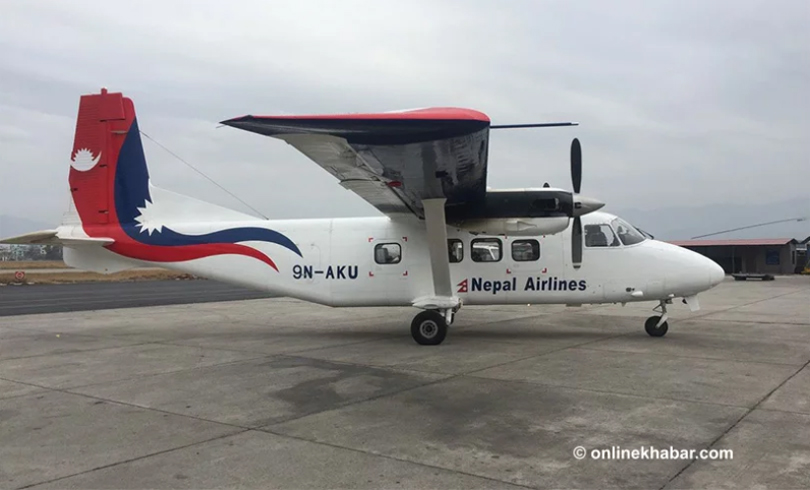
(81, 276)
(18, 265)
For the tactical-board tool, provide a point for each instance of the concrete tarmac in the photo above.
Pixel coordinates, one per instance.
(277, 393)
(52, 298)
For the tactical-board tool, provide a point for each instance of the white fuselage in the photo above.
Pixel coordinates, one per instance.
(338, 266)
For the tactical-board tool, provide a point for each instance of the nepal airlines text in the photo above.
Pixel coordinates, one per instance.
(530, 284)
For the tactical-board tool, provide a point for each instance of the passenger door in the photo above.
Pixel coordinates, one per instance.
(389, 267)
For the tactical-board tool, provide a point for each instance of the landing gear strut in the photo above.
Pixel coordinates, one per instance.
(656, 326)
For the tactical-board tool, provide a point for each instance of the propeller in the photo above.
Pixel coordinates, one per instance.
(576, 243)
(576, 181)
(576, 165)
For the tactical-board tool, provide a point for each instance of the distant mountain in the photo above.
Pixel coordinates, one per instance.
(13, 226)
(684, 222)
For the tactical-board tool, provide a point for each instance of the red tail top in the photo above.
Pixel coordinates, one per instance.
(101, 127)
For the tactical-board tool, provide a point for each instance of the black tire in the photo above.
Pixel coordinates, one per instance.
(429, 328)
(652, 331)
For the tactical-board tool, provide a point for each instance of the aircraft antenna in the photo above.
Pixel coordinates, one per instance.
(175, 155)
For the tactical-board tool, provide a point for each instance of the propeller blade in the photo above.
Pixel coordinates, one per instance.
(576, 243)
(576, 165)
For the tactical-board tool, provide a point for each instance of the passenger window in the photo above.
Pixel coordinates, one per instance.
(525, 250)
(455, 250)
(485, 250)
(600, 236)
(388, 253)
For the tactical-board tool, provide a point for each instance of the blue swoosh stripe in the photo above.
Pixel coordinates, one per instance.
(132, 192)
(170, 238)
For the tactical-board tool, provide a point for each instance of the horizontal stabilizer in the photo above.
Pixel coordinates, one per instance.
(73, 241)
(36, 238)
(51, 237)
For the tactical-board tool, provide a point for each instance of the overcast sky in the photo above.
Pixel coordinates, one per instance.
(680, 102)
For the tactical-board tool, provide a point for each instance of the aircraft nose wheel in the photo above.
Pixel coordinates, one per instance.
(429, 328)
(652, 327)
(656, 326)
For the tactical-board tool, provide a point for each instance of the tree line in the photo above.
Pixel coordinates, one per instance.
(31, 252)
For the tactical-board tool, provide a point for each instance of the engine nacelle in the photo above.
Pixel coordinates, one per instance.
(514, 226)
(515, 203)
(521, 212)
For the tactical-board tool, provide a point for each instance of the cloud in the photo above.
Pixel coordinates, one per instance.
(679, 101)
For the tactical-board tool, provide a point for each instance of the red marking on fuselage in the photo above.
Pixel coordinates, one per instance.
(153, 253)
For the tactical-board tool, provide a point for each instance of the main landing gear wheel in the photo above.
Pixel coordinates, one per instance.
(429, 328)
(653, 329)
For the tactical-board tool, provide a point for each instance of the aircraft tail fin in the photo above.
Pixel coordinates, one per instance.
(107, 140)
(109, 177)
(106, 131)
(115, 209)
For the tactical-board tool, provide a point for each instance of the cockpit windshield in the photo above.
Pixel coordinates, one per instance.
(627, 233)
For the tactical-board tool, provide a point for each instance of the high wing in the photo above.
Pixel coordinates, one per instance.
(393, 160)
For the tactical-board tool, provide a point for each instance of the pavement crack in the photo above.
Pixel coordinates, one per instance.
(75, 351)
(702, 358)
(144, 375)
(533, 356)
(696, 317)
(736, 423)
(393, 458)
(606, 392)
(117, 463)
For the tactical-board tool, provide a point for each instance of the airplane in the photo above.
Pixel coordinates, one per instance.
(444, 240)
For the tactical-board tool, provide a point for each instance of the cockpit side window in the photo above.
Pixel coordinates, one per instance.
(600, 235)
(627, 233)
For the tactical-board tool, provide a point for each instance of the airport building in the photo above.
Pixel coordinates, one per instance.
(753, 256)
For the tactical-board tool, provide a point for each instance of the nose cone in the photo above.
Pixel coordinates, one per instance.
(584, 205)
(716, 273)
(687, 272)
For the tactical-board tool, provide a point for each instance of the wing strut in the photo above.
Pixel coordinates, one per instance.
(437, 245)
(443, 298)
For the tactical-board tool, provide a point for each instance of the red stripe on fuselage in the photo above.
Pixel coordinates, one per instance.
(151, 253)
